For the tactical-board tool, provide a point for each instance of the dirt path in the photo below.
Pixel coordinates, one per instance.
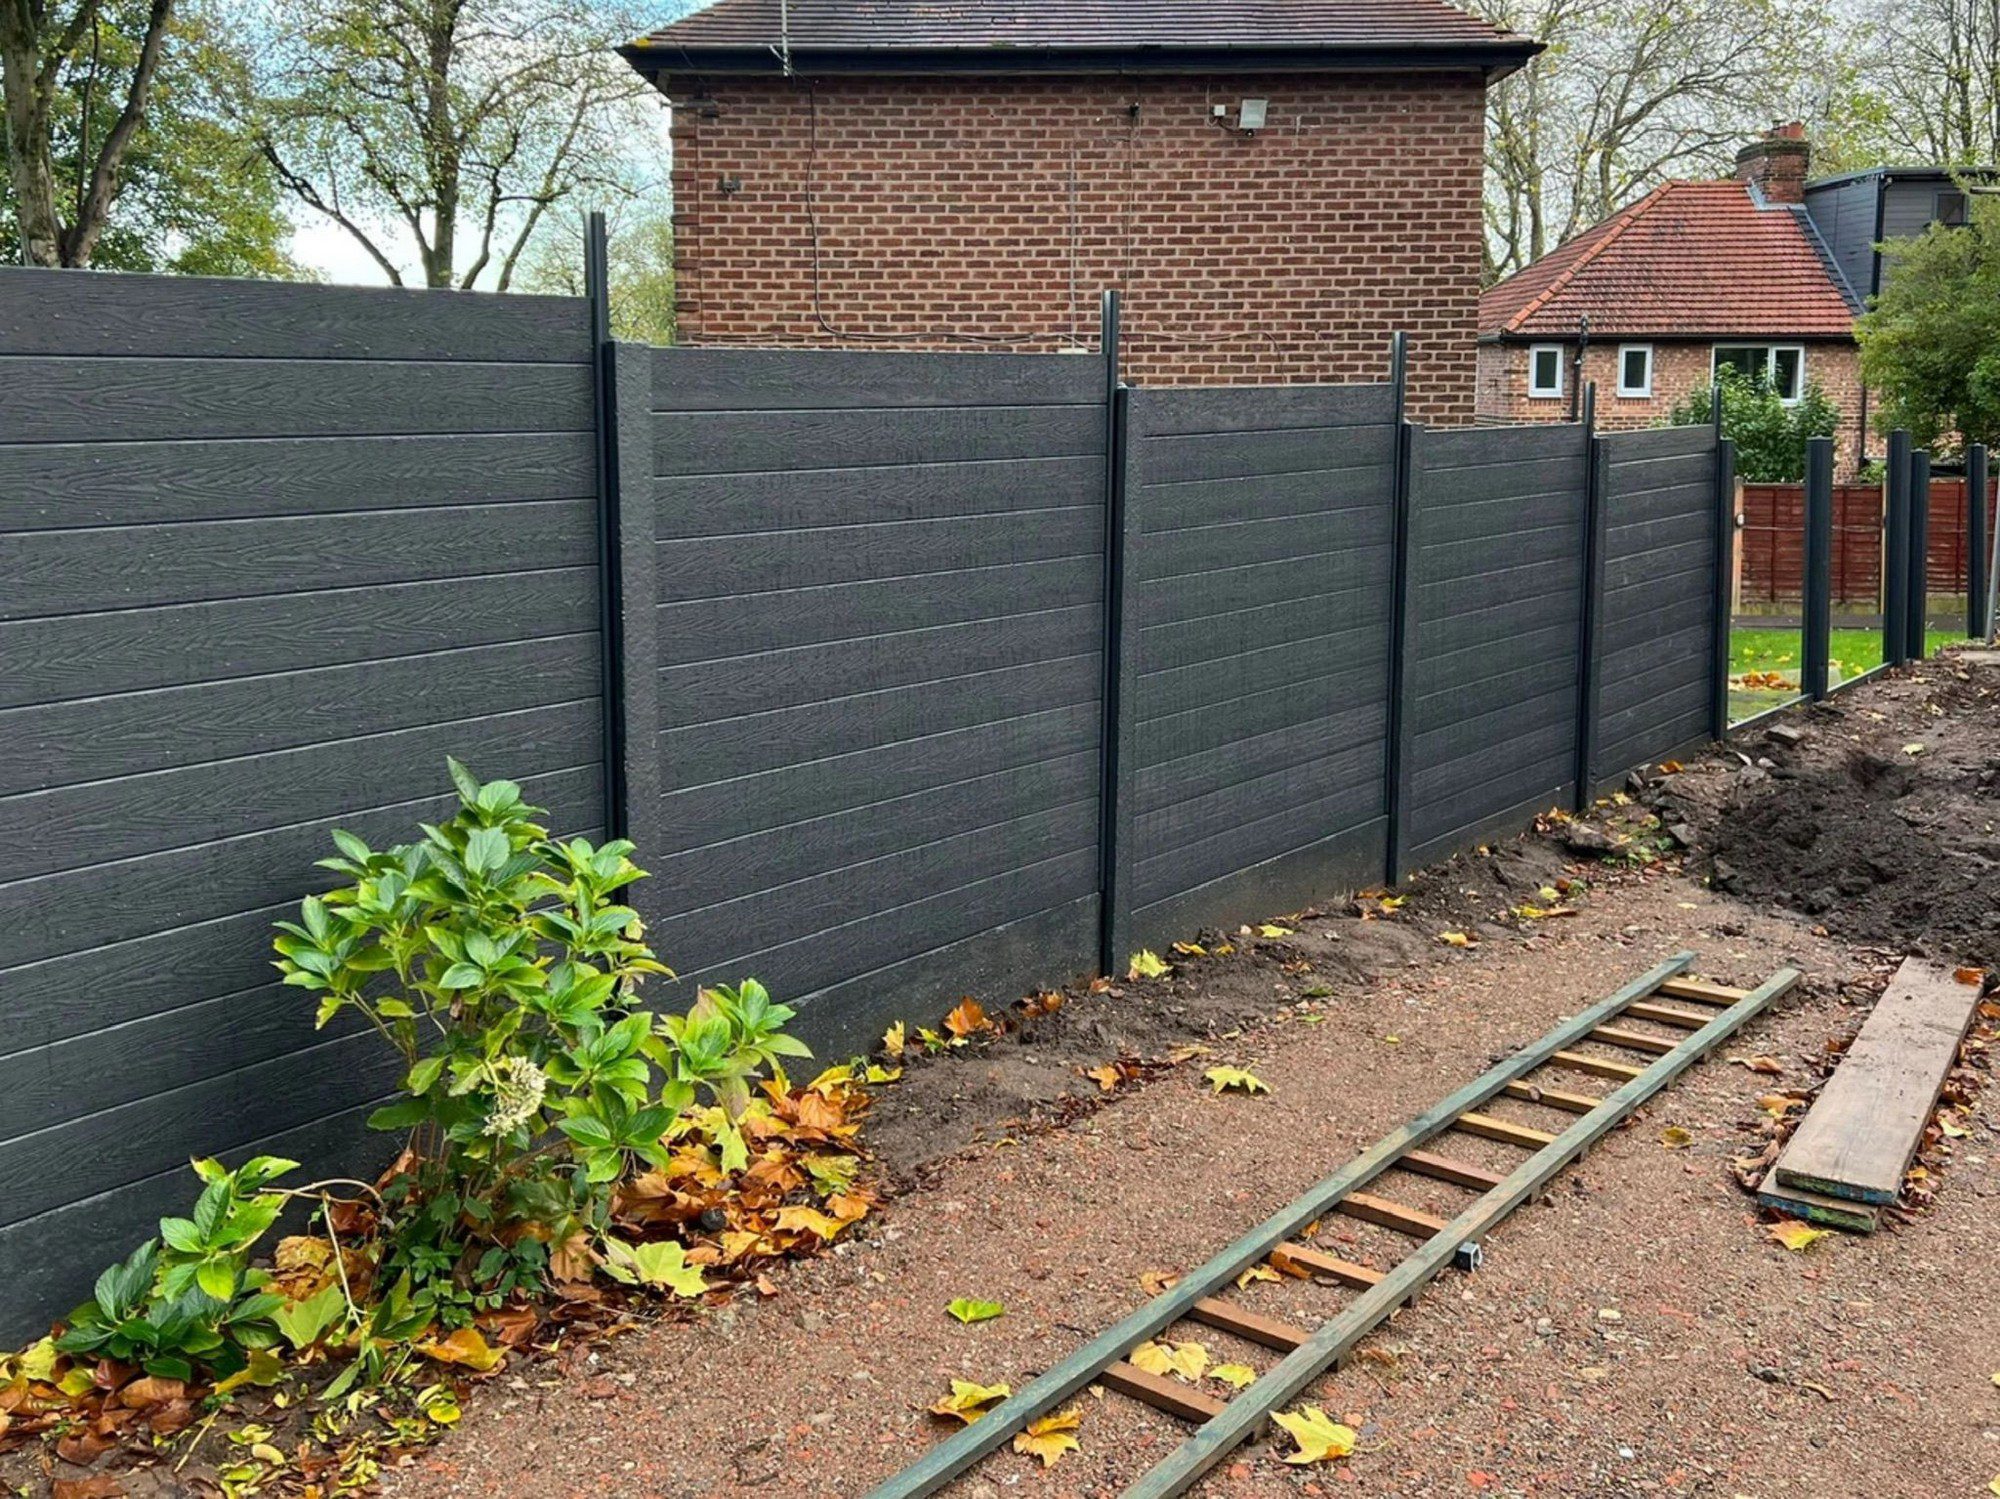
(1634, 1333)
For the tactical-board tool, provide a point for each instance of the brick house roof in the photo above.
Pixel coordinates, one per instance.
(1690, 259)
(1020, 35)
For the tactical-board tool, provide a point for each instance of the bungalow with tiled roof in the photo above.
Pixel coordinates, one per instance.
(1653, 301)
(1275, 185)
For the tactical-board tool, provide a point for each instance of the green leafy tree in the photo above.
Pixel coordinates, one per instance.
(641, 246)
(1770, 435)
(121, 146)
(1930, 347)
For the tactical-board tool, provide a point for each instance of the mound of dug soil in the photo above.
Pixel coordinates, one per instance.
(1875, 814)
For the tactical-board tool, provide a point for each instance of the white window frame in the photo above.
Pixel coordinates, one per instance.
(1643, 391)
(1771, 352)
(1541, 393)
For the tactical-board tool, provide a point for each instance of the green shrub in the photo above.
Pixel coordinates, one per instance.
(502, 967)
(1770, 436)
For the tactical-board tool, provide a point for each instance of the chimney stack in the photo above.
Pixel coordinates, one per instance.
(1776, 165)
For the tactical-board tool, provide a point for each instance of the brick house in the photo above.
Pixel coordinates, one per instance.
(1651, 302)
(1274, 187)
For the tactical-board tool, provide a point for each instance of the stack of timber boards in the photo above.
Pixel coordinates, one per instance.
(1847, 1159)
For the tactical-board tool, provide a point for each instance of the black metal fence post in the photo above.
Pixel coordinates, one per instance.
(597, 293)
(1895, 548)
(1817, 626)
(1588, 675)
(1402, 615)
(1114, 815)
(1725, 569)
(1917, 600)
(1977, 615)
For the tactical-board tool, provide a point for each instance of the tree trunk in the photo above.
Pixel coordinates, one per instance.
(93, 209)
(29, 169)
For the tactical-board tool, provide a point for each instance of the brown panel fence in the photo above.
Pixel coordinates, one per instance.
(1771, 544)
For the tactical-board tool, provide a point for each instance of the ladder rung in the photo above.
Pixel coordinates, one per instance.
(1386, 1214)
(1269, 1331)
(1447, 1169)
(1554, 1098)
(1168, 1395)
(1687, 1020)
(1603, 1067)
(1303, 1259)
(1714, 994)
(1504, 1130)
(1611, 1035)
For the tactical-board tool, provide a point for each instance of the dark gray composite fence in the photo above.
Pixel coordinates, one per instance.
(270, 553)
(878, 640)
(1259, 587)
(1495, 601)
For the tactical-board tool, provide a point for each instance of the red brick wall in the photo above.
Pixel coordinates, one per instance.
(1678, 369)
(998, 209)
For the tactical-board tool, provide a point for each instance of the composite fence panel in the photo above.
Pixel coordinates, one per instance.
(270, 554)
(1259, 567)
(879, 584)
(1656, 629)
(1495, 601)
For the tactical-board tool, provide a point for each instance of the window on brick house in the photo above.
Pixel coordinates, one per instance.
(1635, 369)
(1784, 365)
(1545, 371)
(1950, 206)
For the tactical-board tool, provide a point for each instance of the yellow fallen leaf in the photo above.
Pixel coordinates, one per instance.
(1272, 929)
(1913, 749)
(1237, 1078)
(894, 1039)
(1049, 1438)
(1768, 1066)
(1795, 1236)
(1777, 1105)
(967, 1017)
(1236, 1376)
(1951, 1128)
(1185, 1361)
(1320, 1438)
(1190, 950)
(1107, 1077)
(1392, 903)
(464, 1347)
(1392, 1040)
(1255, 1272)
(1450, 939)
(968, 1401)
(1146, 964)
(1676, 1138)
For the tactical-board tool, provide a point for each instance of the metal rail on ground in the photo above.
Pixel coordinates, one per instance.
(1198, 1296)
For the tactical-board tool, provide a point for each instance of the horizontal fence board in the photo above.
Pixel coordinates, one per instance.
(711, 629)
(1344, 767)
(801, 849)
(719, 379)
(1634, 617)
(766, 561)
(1361, 479)
(133, 733)
(1468, 627)
(1497, 685)
(1657, 563)
(1497, 519)
(1669, 706)
(75, 400)
(1181, 554)
(1692, 523)
(754, 683)
(107, 314)
(1481, 659)
(1187, 864)
(1225, 588)
(1171, 735)
(729, 442)
(1184, 776)
(77, 572)
(45, 486)
(692, 754)
(1459, 449)
(797, 792)
(1469, 495)
(730, 505)
(1650, 743)
(1659, 442)
(1542, 779)
(1178, 689)
(1537, 538)
(1346, 861)
(135, 650)
(1554, 577)
(1236, 632)
(122, 817)
(1494, 736)
(1165, 411)
(1254, 456)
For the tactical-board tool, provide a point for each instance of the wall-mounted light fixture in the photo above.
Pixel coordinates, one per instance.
(1250, 115)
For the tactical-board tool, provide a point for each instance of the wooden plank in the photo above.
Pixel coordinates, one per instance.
(1446, 1168)
(1303, 1260)
(1583, 1061)
(1612, 1035)
(1861, 1132)
(1687, 1020)
(1503, 1130)
(1554, 1098)
(1162, 1393)
(1817, 1207)
(109, 313)
(1383, 1213)
(1702, 990)
(1269, 1331)
(76, 400)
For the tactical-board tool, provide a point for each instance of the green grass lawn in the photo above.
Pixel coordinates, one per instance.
(1851, 652)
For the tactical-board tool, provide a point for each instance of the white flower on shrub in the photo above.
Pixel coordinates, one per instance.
(518, 1086)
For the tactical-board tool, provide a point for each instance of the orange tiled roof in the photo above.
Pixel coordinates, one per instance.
(1693, 259)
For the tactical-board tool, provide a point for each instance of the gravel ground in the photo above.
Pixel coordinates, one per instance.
(1634, 1332)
